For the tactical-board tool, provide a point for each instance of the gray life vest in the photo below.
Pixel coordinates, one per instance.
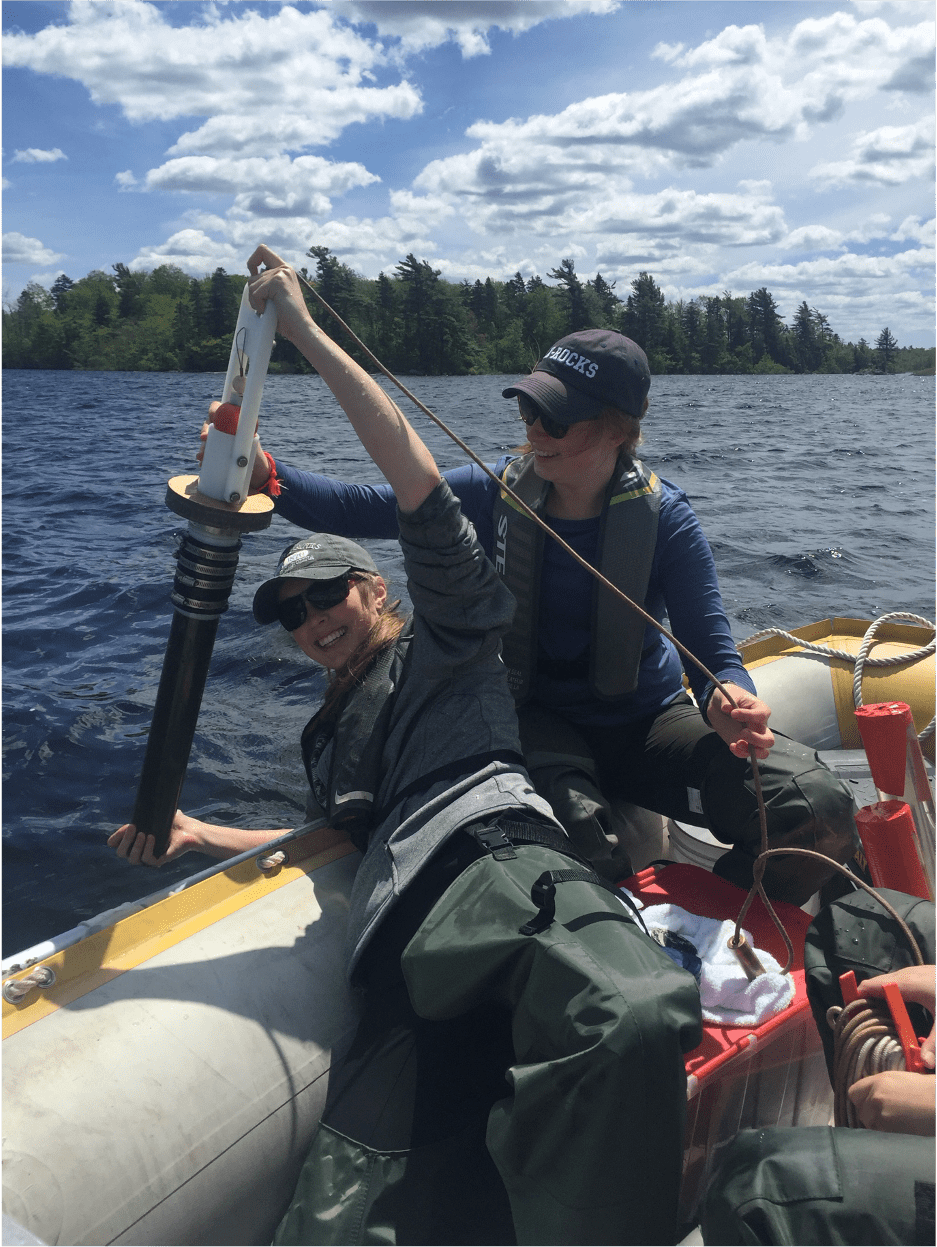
(349, 798)
(627, 538)
(359, 735)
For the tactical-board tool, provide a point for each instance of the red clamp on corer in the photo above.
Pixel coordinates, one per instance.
(910, 1044)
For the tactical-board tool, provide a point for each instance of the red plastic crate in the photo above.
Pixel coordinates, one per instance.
(742, 1076)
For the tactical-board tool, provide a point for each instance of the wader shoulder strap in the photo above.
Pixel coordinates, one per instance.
(518, 555)
(627, 539)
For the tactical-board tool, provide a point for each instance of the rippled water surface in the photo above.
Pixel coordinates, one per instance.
(816, 494)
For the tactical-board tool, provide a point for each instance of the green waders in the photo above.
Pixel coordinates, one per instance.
(825, 1184)
(582, 1027)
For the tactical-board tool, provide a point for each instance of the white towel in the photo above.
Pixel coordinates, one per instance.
(727, 997)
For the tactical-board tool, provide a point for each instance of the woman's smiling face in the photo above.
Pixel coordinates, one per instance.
(587, 454)
(330, 637)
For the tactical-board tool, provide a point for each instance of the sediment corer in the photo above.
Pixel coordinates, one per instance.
(899, 827)
(232, 443)
(219, 509)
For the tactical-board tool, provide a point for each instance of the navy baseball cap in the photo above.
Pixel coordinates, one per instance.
(321, 556)
(586, 371)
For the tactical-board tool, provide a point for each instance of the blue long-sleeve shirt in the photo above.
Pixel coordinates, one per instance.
(683, 586)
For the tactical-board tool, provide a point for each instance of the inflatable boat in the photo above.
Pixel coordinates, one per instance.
(165, 1064)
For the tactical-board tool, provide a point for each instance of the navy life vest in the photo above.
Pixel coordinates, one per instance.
(627, 538)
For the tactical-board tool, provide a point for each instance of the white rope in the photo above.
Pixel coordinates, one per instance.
(862, 659)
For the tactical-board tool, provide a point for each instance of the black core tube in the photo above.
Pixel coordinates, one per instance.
(202, 586)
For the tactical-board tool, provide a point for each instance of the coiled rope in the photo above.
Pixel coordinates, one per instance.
(861, 659)
(864, 1042)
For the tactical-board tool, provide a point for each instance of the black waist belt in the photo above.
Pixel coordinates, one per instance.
(500, 837)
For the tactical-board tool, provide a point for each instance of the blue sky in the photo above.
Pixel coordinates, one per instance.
(715, 145)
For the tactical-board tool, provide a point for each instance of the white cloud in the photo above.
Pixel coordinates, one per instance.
(125, 180)
(38, 156)
(844, 274)
(887, 156)
(193, 251)
(422, 24)
(263, 186)
(18, 249)
(237, 63)
(812, 238)
(913, 229)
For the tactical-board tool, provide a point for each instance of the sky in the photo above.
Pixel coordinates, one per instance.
(717, 146)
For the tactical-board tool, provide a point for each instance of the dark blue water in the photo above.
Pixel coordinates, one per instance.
(816, 494)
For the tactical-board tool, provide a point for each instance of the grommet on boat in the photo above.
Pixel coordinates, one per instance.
(15, 990)
(272, 862)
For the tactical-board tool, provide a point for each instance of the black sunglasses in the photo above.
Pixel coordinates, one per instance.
(321, 595)
(530, 413)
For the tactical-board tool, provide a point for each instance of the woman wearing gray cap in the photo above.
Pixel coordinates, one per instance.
(602, 708)
(509, 998)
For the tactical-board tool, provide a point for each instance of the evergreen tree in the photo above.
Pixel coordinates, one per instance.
(130, 291)
(573, 300)
(885, 348)
(643, 318)
(805, 346)
(59, 291)
(608, 300)
(766, 327)
(862, 359)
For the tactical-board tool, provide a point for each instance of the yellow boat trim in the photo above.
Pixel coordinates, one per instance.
(142, 935)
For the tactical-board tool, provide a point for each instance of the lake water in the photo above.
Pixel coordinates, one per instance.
(817, 494)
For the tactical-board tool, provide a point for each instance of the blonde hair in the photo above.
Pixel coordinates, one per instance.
(384, 632)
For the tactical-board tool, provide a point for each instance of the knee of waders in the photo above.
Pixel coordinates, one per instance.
(577, 802)
(807, 807)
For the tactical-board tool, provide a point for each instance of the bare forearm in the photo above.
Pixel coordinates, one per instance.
(224, 842)
(382, 428)
(379, 423)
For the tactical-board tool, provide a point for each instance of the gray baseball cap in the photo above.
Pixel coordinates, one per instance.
(586, 371)
(321, 556)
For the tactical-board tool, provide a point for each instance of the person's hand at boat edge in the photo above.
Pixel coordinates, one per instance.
(741, 726)
(188, 835)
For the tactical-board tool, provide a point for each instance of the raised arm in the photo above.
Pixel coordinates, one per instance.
(384, 432)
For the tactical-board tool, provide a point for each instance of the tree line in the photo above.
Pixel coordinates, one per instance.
(416, 322)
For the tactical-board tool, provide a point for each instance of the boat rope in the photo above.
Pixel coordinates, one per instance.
(862, 659)
(737, 941)
(865, 1042)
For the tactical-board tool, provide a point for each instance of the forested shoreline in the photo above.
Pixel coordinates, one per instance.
(416, 322)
